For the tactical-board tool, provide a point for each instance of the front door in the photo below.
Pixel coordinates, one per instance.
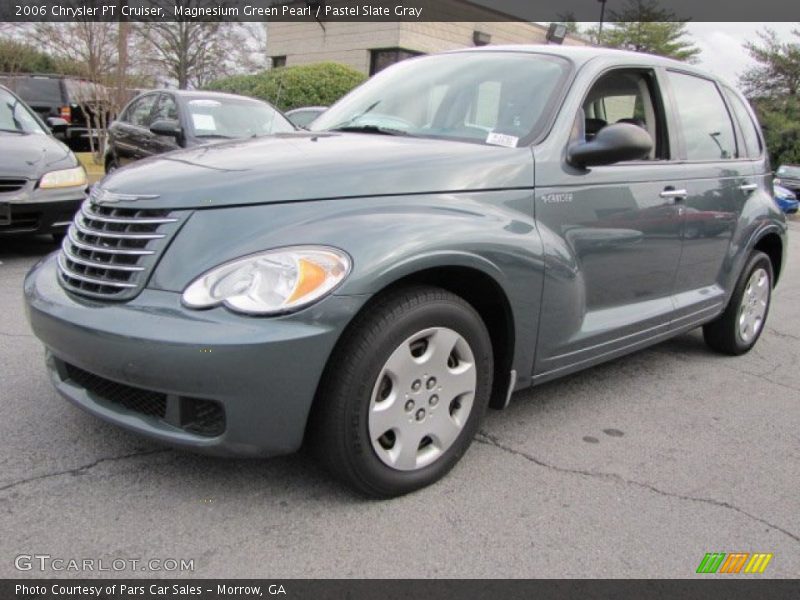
(613, 235)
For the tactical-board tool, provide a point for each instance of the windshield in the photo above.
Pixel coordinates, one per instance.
(234, 118)
(15, 116)
(489, 97)
(789, 171)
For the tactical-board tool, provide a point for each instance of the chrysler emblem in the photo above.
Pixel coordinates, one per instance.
(99, 195)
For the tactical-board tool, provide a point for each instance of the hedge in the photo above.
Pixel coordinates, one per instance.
(319, 84)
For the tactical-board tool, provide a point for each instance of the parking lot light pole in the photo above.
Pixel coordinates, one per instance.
(602, 17)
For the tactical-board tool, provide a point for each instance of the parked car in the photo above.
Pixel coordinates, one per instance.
(164, 120)
(786, 199)
(372, 285)
(74, 100)
(788, 176)
(41, 182)
(303, 117)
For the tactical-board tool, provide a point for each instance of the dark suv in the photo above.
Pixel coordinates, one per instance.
(461, 226)
(68, 98)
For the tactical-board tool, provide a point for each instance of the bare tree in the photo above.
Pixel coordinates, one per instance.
(96, 52)
(190, 50)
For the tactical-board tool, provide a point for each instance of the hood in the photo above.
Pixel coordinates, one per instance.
(310, 166)
(32, 155)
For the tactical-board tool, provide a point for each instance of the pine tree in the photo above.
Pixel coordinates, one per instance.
(642, 26)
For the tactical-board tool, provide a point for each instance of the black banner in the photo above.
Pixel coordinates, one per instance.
(338, 589)
(389, 10)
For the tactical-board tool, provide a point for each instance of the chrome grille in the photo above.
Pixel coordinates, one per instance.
(109, 252)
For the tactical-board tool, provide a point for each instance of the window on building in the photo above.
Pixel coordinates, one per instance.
(278, 61)
(704, 119)
(385, 57)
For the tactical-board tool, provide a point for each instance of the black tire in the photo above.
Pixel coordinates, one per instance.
(111, 165)
(338, 431)
(58, 237)
(723, 333)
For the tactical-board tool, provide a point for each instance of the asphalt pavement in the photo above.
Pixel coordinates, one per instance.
(635, 468)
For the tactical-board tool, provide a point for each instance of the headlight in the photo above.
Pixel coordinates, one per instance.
(271, 282)
(64, 178)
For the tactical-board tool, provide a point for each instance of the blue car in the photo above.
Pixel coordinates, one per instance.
(786, 199)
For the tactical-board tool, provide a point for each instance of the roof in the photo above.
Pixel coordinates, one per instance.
(200, 94)
(583, 54)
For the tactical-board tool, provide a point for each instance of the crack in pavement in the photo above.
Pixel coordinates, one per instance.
(490, 440)
(16, 335)
(782, 334)
(81, 469)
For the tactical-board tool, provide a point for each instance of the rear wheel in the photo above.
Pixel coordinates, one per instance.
(737, 330)
(404, 393)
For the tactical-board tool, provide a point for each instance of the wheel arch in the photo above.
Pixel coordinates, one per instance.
(771, 244)
(479, 289)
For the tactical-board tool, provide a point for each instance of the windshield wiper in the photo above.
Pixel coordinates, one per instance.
(371, 129)
(4, 130)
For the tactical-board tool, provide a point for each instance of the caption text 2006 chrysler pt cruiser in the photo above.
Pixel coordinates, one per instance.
(461, 226)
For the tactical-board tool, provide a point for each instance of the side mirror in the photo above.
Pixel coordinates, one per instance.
(57, 125)
(166, 127)
(612, 144)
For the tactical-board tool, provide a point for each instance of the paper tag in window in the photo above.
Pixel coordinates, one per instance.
(204, 122)
(500, 139)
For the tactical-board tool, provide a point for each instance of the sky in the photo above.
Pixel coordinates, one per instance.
(721, 45)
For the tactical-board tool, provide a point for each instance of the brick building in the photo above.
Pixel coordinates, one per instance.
(372, 46)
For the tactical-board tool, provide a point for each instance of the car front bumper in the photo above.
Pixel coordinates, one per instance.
(146, 363)
(40, 211)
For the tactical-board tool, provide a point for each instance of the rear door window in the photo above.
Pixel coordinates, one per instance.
(703, 118)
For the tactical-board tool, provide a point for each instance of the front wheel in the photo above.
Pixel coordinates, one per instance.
(404, 392)
(737, 330)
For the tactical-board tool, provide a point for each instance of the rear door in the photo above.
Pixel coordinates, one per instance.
(718, 177)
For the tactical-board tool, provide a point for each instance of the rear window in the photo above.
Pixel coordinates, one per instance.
(750, 135)
(35, 89)
(80, 91)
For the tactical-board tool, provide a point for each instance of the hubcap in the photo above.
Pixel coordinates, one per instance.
(422, 398)
(754, 305)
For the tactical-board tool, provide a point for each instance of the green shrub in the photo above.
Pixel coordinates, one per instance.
(19, 57)
(319, 84)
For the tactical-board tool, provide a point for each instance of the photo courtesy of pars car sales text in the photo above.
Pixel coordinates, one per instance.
(151, 590)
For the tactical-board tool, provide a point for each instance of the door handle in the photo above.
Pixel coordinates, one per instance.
(748, 187)
(674, 194)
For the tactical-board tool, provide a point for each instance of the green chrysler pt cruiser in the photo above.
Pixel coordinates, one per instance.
(460, 227)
